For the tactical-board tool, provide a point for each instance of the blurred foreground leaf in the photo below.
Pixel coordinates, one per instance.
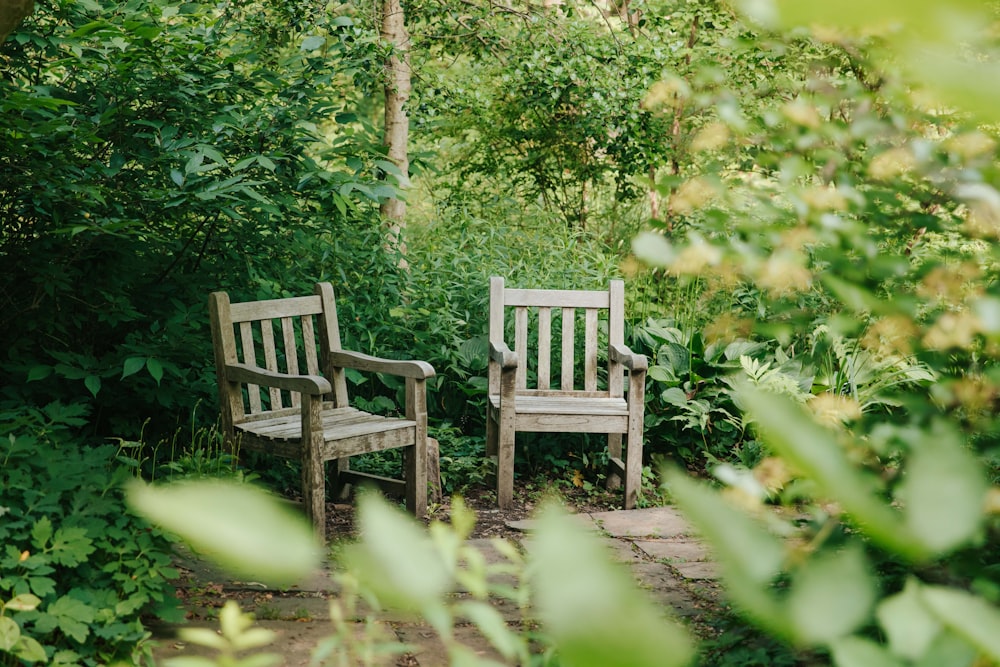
(243, 528)
(592, 609)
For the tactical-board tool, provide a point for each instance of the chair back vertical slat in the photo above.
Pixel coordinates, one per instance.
(544, 347)
(590, 350)
(616, 336)
(309, 338)
(250, 357)
(568, 344)
(521, 345)
(270, 360)
(291, 356)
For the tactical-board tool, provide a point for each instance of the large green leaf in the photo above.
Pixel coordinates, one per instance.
(832, 594)
(943, 490)
(245, 529)
(591, 607)
(750, 557)
(396, 558)
(968, 616)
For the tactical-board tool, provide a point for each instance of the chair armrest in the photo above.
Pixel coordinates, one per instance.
(304, 384)
(621, 354)
(501, 354)
(421, 370)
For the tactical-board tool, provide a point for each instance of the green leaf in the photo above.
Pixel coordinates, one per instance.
(71, 546)
(312, 42)
(30, 650)
(591, 607)
(23, 602)
(967, 615)
(943, 490)
(132, 366)
(242, 527)
(213, 155)
(93, 384)
(831, 596)
(860, 652)
(749, 556)
(10, 634)
(908, 624)
(155, 369)
(41, 532)
(396, 559)
(654, 249)
(39, 373)
(72, 616)
(492, 625)
(813, 450)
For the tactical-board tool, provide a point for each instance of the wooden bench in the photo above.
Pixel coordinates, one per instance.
(283, 390)
(594, 407)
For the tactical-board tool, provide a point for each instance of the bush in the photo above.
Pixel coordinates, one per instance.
(94, 566)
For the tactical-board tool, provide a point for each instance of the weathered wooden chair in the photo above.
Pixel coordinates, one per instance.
(597, 407)
(269, 405)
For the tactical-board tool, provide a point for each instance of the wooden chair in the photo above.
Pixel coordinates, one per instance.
(513, 406)
(280, 392)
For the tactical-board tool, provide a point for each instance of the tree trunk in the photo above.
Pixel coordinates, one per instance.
(396, 131)
(12, 12)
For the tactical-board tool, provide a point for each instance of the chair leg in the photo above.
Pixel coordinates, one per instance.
(415, 464)
(491, 433)
(505, 460)
(614, 457)
(633, 467)
(314, 490)
(313, 477)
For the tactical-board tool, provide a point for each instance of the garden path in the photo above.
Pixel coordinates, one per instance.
(657, 544)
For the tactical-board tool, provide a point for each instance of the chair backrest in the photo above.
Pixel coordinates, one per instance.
(536, 313)
(290, 336)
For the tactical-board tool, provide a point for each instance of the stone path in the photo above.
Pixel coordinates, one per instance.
(666, 559)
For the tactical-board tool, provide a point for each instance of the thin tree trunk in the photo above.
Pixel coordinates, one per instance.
(396, 131)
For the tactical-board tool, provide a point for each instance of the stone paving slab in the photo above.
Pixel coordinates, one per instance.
(649, 522)
(674, 551)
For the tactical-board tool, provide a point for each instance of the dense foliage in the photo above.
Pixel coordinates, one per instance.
(821, 227)
(83, 570)
(156, 151)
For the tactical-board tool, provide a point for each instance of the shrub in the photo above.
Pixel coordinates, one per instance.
(68, 540)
